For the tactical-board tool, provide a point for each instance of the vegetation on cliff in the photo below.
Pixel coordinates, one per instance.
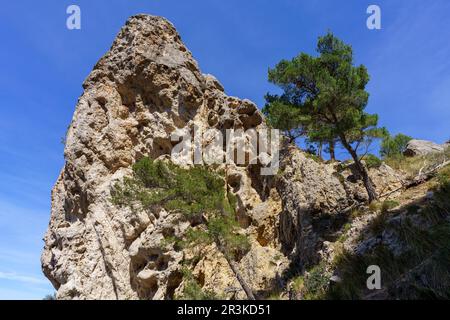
(408, 239)
(418, 268)
(199, 195)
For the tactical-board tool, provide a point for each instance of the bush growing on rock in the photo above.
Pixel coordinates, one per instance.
(313, 285)
(372, 161)
(193, 290)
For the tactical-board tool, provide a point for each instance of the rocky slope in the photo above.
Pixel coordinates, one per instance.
(147, 86)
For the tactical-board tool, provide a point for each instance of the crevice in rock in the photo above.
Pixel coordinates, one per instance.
(173, 282)
(107, 265)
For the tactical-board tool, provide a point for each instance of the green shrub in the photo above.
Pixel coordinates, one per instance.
(344, 232)
(378, 224)
(192, 289)
(50, 297)
(298, 284)
(413, 165)
(389, 205)
(444, 175)
(357, 212)
(316, 282)
(394, 146)
(313, 285)
(372, 161)
(274, 296)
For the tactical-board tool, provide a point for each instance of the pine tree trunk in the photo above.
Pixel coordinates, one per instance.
(242, 282)
(319, 151)
(248, 291)
(368, 184)
(332, 153)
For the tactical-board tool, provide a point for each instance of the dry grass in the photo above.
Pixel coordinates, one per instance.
(419, 164)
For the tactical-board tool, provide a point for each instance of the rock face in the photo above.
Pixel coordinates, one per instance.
(423, 147)
(147, 86)
(317, 199)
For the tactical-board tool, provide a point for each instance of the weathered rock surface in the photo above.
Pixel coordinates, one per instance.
(147, 86)
(317, 199)
(423, 147)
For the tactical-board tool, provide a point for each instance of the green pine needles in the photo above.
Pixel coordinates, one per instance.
(196, 193)
(394, 146)
(189, 191)
(324, 100)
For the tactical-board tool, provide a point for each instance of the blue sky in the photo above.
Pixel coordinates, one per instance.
(43, 65)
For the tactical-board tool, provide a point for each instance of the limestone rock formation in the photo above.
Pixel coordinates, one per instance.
(146, 87)
(422, 147)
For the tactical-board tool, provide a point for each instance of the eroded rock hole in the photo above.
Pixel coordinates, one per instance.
(173, 282)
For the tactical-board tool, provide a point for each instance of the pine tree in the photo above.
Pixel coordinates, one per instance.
(199, 195)
(328, 94)
(394, 146)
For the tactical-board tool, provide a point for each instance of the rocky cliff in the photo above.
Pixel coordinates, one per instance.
(147, 86)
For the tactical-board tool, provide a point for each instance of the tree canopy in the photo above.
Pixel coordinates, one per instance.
(324, 99)
(393, 146)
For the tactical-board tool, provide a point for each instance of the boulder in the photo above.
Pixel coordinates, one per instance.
(422, 147)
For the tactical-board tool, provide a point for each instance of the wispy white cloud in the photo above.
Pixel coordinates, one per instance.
(13, 214)
(9, 255)
(30, 293)
(22, 278)
(21, 229)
